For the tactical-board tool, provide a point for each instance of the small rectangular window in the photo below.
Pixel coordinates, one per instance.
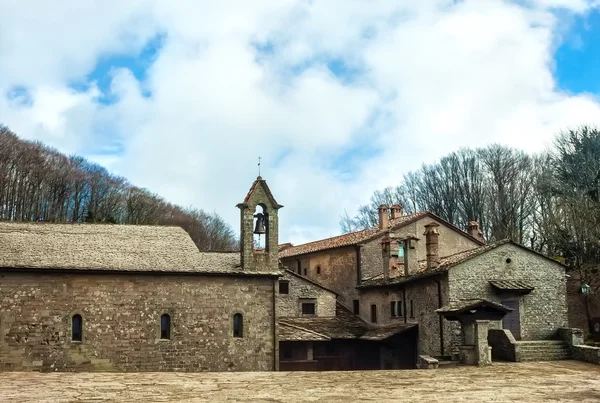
(412, 309)
(305, 271)
(165, 326)
(238, 325)
(318, 269)
(393, 309)
(400, 311)
(374, 313)
(356, 307)
(284, 287)
(308, 308)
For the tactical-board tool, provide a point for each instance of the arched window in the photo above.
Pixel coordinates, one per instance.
(76, 328)
(261, 228)
(238, 325)
(165, 327)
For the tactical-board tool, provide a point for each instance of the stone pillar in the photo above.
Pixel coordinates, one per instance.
(411, 259)
(483, 350)
(396, 211)
(474, 231)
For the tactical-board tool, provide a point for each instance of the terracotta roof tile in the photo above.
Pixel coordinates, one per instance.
(352, 238)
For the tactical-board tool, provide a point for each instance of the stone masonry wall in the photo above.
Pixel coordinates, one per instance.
(337, 271)
(288, 305)
(451, 242)
(121, 322)
(424, 296)
(542, 311)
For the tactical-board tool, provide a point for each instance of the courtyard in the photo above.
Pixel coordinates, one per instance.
(565, 381)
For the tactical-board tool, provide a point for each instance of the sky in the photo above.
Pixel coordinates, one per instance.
(339, 97)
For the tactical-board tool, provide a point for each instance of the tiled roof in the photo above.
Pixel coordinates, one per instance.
(385, 332)
(512, 285)
(344, 325)
(133, 248)
(290, 332)
(465, 305)
(260, 181)
(352, 238)
(446, 263)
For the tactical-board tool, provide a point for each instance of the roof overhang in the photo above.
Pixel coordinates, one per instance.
(519, 286)
(471, 310)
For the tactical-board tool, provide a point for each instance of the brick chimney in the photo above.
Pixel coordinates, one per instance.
(474, 231)
(396, 211)
(384, 218)
(389, 253)
(432, 245)
(411, 259)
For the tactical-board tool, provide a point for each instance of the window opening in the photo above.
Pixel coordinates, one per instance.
(356, 306)
(260, 228)
(412, 309)
(284, 287)
(374, 313)
(393, 309)
(165, 327)
(77, 328)
(308, 308)
(238, 325)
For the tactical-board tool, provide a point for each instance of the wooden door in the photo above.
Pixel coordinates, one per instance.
(512, 320)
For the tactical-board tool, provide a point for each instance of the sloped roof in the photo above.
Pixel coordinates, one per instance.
(512, 285)
(344, 325)
(446, 263)
(352, 238)
(260, 181)
(290, 332)
(465, 305)
(134, 248)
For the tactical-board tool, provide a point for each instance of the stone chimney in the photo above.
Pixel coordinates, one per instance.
(411, 259)
(396, 211)
(474, 231)
(432, 245)
(389, 253)
(384, 218)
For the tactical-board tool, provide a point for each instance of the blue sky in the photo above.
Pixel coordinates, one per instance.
(578, 58)
(182, 99)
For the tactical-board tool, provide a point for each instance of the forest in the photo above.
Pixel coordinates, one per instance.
(548, 201)
(38, 183)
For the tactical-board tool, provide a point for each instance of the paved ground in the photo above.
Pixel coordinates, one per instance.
(563, 381)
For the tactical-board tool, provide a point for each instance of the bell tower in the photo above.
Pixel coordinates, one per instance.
(259, 229)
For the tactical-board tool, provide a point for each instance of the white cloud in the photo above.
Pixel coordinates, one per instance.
(440, 74)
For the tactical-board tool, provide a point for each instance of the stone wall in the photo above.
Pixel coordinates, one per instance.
(587, 353)
(334, 269)
(542, 311)
(503, 345)
(121, 322)
(424, 297)
(300, 289)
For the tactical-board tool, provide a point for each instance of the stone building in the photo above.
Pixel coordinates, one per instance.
(139, 298)
(411, 268)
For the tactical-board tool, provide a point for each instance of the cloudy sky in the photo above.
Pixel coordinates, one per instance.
(339, 97)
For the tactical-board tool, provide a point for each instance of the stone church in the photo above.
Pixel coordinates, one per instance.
(139, 298)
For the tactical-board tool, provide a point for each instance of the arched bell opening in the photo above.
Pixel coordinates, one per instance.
(261, 228)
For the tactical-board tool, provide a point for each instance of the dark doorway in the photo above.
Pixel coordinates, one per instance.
(512, 320)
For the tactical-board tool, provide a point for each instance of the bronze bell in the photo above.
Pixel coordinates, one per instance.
(260, 224)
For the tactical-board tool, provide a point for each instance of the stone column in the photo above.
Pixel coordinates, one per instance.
(483, 350)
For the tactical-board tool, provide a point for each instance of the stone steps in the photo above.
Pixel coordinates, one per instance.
(543, 350)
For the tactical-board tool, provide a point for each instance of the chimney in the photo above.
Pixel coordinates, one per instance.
(396, 211)
(389, 253)
(411, 259)
(474, 231)
(432, 245)
(384, 219)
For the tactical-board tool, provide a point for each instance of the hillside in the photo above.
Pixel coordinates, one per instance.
(38, 183)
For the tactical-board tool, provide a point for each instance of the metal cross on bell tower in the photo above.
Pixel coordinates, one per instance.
(259, 165)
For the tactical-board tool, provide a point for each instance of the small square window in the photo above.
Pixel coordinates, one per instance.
(284, 287)
(308, 308)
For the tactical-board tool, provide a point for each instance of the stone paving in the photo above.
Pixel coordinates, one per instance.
(564, 381)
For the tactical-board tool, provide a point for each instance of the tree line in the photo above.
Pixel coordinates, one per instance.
(38, 183)
(548, 201)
